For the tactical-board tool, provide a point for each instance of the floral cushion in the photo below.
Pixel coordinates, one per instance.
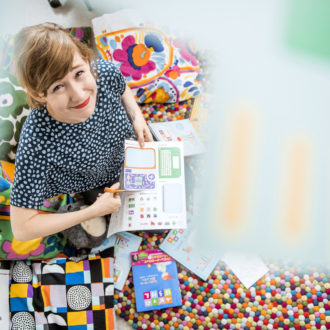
(156, 67)
(13, 112)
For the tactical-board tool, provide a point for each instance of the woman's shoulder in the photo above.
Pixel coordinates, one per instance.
(105, 67)
(36, 126)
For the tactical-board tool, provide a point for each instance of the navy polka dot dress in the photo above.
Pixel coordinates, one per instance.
(55, 158)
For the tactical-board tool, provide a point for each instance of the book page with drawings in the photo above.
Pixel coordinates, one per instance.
(157, 171)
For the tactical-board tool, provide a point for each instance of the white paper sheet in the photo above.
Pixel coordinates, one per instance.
(248, 268)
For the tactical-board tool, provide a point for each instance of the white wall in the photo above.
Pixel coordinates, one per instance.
(15, 14)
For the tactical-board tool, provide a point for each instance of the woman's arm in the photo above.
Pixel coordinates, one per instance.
(28, 224)
(134, 113)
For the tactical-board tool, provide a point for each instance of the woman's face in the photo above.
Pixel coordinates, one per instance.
(72, 99)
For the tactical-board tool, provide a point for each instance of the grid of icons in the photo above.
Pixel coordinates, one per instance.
(157, 297)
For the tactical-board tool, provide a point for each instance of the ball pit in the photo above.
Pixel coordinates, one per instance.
(286, 297)
(159, 112)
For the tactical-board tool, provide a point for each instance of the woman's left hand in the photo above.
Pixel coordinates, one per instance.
(141, 130)
(140, 126)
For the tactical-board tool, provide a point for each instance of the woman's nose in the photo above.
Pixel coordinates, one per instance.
(76, 92)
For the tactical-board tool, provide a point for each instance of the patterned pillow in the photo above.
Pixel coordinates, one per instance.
(156, 67)
(62, 293)
(13, 112)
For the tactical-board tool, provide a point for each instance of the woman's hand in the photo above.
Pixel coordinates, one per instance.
(107, 202)
(140, 126)
(141, 130)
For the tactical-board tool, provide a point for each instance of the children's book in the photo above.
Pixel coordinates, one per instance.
(188, 249)
(124, 243)
(155, 279)
(4, 297)
(154, 183)
(178, 130)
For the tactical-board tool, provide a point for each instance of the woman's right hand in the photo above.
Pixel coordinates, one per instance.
(107, 202)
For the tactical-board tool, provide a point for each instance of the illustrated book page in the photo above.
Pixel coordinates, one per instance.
(154, 183)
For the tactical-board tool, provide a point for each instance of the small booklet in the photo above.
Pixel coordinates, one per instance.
(179, 130)
(155, 279)
(185, 246)
(124, 243)
(154, 183)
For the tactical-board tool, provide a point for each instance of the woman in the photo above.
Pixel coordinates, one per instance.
(73, 139)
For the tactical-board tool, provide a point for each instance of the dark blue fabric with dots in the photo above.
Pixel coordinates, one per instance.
(55, 158)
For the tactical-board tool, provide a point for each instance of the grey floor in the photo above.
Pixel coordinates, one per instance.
(122, 324)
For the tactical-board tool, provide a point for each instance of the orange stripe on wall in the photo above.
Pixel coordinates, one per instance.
(295, 202)
(237, 172)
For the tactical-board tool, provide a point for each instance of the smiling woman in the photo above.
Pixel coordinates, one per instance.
(73, 139)
(75, 91)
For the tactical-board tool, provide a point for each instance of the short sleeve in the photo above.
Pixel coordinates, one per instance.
(112, 76)
(30, 180)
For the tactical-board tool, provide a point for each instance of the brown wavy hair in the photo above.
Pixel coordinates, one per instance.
(43, 54)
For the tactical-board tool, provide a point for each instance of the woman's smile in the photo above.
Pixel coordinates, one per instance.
(82, 105)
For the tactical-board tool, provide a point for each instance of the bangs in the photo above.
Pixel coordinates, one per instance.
(43, 54)
(57, 60)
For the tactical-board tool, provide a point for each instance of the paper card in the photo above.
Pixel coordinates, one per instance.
(248, 268)
(185, 246)
(179, 130)
(124, 244)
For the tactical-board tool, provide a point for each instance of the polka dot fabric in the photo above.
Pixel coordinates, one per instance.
(287, 297)
(55, 158)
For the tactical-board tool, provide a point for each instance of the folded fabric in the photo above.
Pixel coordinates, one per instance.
(63, 293)
(157, 68)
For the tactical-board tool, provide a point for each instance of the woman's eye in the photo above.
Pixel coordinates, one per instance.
(79, 73)
(56, 88)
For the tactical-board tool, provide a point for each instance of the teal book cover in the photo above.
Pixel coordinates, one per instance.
(155, 279)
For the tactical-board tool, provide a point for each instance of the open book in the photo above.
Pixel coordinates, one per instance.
(154, 196)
